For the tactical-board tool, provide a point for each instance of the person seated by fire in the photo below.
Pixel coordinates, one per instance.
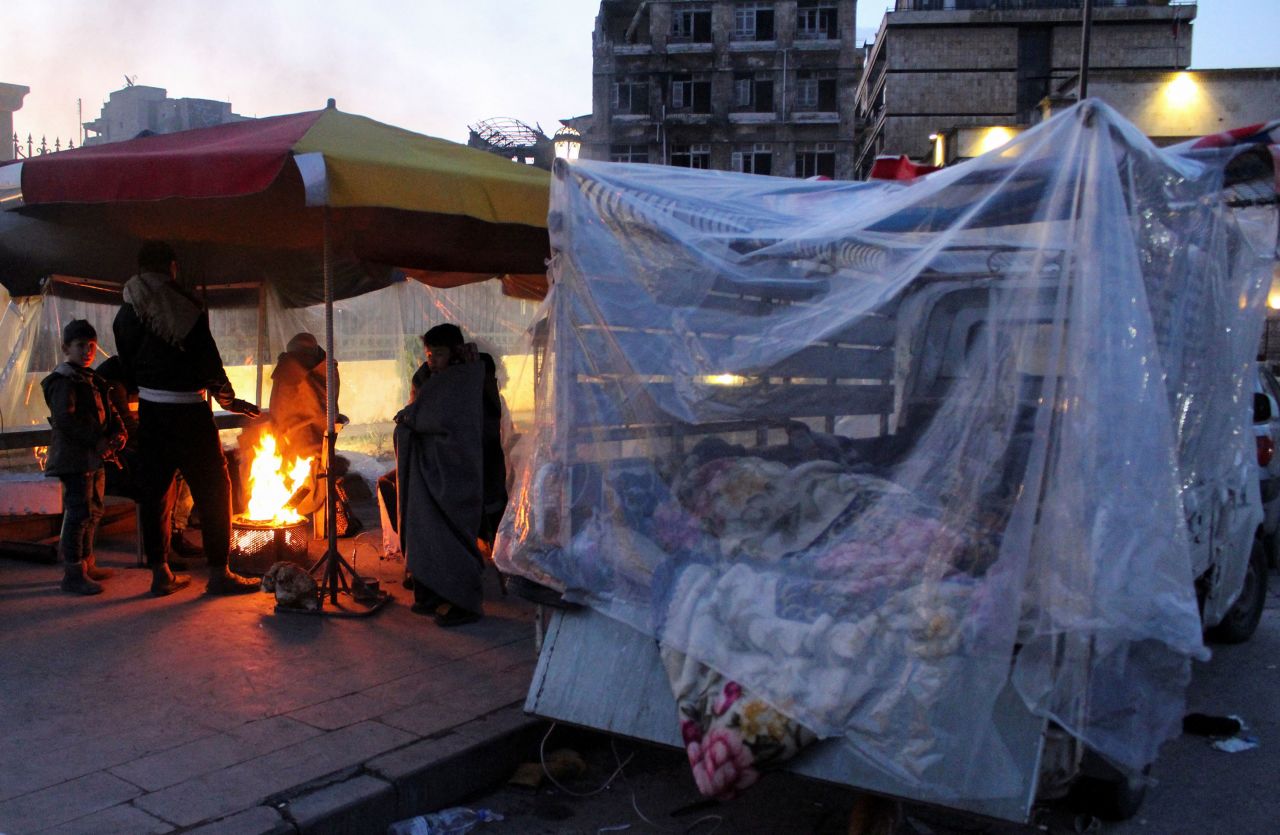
(295, 419)
(447, 478)
(297, 410)
(124, 468)
(163, 338)
(87, 430)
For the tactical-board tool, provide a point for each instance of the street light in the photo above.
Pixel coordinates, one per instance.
(568, 143)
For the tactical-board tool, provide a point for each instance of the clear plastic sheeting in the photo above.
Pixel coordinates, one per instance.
(31, 343)
(377, 336)
(869, 451)
(379, 346)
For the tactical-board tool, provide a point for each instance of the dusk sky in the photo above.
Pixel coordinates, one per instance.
(433, 66)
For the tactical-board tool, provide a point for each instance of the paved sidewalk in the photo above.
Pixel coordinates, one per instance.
(124, 713)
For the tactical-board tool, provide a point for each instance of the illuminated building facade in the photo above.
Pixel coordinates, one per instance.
(961, 67)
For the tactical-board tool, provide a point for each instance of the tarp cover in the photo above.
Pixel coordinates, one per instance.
(860, 454)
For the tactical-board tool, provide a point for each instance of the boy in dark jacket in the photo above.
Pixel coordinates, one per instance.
(86, 430)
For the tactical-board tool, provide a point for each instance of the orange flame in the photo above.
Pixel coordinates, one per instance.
(272, 484)
(42, 456)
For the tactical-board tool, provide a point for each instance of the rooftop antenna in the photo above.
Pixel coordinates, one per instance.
(129, 79)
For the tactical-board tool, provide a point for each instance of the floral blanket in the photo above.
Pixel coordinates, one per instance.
(839, 596)
(790, 601)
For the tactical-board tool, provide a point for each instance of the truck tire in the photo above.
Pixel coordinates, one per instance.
(1241, 622)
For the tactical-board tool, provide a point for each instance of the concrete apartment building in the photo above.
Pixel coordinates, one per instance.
(136, 108)
(761, 86)
(957, 66)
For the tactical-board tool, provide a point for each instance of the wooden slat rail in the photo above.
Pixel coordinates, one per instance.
(654, 353)
(609, 403)
(623, 361)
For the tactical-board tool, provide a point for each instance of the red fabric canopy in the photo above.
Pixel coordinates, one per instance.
(229, 160)
(236, 208)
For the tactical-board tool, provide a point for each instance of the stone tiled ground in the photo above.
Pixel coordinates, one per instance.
(133, 714)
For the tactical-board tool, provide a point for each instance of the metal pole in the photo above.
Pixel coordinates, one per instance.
(331, 412)
(262, 339)
(1086, 28)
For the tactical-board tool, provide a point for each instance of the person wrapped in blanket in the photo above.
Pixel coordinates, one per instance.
(450, 475)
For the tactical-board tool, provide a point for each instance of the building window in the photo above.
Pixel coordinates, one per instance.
(816, 20)
(691, 93)
(817, 159)
(753, 92)
(753, 159)
(753, 22)
(816, 90)
(691, 23)
(691, 156)
(630, 95)
(628, 153)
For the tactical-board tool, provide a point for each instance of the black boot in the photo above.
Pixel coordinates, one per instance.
(92, 571)
(75, 580)
(164, 581)
(223, 580)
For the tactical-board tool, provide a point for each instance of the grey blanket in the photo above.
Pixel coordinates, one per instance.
(439, 463)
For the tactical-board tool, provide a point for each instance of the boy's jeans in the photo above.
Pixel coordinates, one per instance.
(81, 511)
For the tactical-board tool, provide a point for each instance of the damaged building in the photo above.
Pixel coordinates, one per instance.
(760, 86)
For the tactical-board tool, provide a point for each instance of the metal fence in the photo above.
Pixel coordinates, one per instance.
(31, 149)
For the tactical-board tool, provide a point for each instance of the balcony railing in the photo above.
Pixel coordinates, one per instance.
(1011, 5)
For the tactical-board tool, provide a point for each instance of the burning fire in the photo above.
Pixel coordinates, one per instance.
(272, 485)
(42, 456)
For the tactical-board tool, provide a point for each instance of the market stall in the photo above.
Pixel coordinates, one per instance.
(318, 205)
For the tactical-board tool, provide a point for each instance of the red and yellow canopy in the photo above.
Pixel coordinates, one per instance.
(262, 188)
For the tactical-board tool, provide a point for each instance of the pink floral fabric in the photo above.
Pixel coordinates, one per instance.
(730, 736)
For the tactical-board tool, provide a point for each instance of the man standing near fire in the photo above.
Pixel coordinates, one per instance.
(163, 339)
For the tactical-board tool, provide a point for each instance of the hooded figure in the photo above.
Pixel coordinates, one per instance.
(440, 473)
(298, 398)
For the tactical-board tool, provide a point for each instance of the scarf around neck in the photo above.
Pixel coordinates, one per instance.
(166, 311)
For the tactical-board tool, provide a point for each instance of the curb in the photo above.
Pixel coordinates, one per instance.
(424, 776)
